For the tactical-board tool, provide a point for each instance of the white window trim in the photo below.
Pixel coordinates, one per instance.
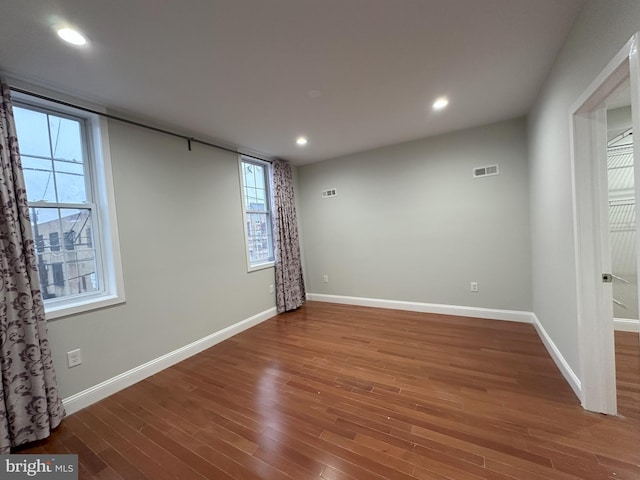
(257, 266)
(108, 243)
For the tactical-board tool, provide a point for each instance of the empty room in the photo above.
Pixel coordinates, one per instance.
(319, 239)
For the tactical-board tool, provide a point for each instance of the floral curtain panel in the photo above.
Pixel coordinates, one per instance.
(290, 292)
(30, 406)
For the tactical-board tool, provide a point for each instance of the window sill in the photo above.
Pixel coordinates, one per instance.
(261, 266)
(81, 305)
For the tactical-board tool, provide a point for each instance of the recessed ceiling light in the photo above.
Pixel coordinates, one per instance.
(440, 103)
(302, 141)
(71, 36)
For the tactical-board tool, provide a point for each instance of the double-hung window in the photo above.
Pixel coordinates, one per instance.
(256, 201)
(70, 204)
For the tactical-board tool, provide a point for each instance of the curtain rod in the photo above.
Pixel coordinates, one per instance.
(189, 140)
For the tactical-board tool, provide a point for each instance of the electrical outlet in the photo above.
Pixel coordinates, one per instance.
(325, 278)
(74, 358)
(474, 287)
(271, 289)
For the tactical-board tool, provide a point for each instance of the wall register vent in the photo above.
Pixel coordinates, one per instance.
(487, 171)
(330, 192)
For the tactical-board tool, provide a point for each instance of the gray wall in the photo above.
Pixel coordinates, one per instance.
(600, 31)
(183, 255)
(410, 223)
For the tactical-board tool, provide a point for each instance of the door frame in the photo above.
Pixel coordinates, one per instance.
(591, 225)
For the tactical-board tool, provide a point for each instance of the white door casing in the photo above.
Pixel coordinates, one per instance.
(591, 225)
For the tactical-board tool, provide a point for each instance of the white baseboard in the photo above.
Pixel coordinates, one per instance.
(562, 364)
(102, 390)
(476, 312)
(626, 325)
(461, 311)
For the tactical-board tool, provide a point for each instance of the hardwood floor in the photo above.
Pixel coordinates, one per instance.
(342, 392)
(628, 374)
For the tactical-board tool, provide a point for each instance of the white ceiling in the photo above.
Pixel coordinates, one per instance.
(349, 74)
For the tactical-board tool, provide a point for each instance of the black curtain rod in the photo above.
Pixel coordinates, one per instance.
(189, 140)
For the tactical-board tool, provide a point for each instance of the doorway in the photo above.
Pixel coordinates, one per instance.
(595, 212)
(623, 241)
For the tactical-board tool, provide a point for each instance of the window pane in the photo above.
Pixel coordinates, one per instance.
(71, 187)
(38, 176)
(66, 140)
(69, 167)
(259, 237)
(67, 262)
(44, 218)
(81, 272)
(260, 176)
(33, 132)
(257, 204)
(249, 174)
(75, 221)
(254, 199)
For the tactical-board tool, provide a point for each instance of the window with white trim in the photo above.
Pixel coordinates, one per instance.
(68, 189)
(256, 202)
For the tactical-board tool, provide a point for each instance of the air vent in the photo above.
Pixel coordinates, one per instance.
(487, 171)
(331, 192)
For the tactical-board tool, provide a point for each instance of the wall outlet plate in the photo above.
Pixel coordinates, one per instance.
(74, 358)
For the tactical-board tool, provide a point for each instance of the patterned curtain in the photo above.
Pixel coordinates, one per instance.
(30, 406)
(290, 292)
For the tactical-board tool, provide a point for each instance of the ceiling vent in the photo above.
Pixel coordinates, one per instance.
(330, 192)
(487, 171)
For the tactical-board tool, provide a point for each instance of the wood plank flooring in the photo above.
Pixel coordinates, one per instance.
(628, 373)
(340, 392)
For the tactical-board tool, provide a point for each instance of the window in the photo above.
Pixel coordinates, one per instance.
(39, 244)
(58, 274)
(69, 240)
(256, 201)
(54, 241)
(67, 175)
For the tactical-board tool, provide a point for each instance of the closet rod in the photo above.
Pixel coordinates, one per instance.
(619, 137)
(189, 140)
